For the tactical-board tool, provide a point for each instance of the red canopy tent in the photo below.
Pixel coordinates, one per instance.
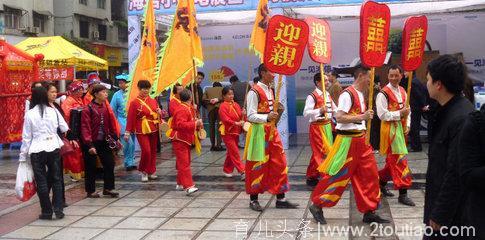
(17, 71)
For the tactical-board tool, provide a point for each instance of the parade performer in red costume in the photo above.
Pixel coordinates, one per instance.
(350, 158)
(395, 117)
(320, 131)
(172, 108)
(184, 124)
(73, 161)
(266, 167)
(142, 120)
(230, 129)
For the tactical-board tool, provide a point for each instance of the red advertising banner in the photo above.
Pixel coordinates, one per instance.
(286, 40)
(375, 21)
(413, 42)
(54, 74)
(319, 41)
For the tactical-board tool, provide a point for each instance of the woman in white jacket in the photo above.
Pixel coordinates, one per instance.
(40, 140)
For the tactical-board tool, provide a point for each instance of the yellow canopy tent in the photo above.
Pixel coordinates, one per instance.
(58, 52)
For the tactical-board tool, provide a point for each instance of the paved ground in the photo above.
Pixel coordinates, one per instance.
(219, 211)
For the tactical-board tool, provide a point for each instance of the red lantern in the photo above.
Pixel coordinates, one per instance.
(375, 21)
(286, 39)
(413, 42)
(319, 41)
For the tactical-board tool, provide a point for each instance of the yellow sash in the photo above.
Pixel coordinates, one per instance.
(145, 123)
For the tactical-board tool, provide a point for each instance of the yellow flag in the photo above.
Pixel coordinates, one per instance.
(258, 36)
(181, 52)
(146, 61)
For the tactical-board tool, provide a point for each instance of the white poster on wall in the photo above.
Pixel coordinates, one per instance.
(134, 39)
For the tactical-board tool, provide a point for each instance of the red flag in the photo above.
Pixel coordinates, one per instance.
(286, 39)
(413, 42)
(375, 21)
(319, 41)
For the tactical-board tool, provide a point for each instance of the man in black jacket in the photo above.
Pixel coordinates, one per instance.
(472, 170)
(444, 194)
(418, 102)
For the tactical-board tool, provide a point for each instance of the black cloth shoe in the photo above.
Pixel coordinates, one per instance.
(370, 217)
(45, 216)
(312, 182)
(404, 199)
(254, 205)
(286, 204)
(386, 191)
(59, 215)
(317, 214)
(219, 149)
(110, 193)
(213, 149)
(93, 195)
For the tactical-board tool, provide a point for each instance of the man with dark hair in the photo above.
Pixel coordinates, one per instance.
(255, 80)
(350, 159)
(239, 89)
(198, 90)
(212, 100)
(419, 104)
(319, 111)
(392, 110)
(444, 197)
(266, 167)
(335, 89)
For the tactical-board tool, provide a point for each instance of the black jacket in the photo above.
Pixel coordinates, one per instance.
(444, 196)
(472, 170)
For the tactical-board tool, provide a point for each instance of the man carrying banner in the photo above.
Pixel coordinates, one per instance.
(319, 110)
(266, 167)
(350, 158)
(390, 104)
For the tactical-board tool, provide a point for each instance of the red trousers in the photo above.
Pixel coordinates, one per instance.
(318, 154)
(397, 170)
(233, 159)
(182, 163)
(361, 170)
(270, 175)
(148, 159)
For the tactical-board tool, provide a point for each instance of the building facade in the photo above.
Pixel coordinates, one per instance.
(20, 19)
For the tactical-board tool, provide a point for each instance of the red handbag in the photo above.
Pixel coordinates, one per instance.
(67, 147)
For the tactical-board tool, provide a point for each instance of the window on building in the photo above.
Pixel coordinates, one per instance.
(40, 21)
(83, 2)
(84, 29)
(102, 29)
(12, 17)
(122, 34)
(102, 4)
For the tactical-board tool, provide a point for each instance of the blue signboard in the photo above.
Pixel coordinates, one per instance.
(135, 7)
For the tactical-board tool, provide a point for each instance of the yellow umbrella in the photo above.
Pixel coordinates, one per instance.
(58, 52)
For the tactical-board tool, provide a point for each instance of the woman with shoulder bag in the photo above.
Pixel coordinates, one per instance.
(99, 138)
(41, 141)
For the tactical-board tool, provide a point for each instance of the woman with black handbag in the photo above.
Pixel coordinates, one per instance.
(99, 138)
(41, 141)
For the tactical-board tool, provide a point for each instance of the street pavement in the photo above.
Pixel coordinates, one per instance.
(154, 210)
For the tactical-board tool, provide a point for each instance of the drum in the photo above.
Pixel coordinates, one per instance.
(164, 126)
(202, 134)
(246, 126)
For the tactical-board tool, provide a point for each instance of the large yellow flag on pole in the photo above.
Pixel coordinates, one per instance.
(181, 52)
(146, 61)
(258, 36)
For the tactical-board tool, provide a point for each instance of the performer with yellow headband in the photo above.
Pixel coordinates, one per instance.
(143, 120)
(396, 121)
(319, 110)
(350, 158)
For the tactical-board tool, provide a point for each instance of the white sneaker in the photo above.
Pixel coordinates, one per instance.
(243, 176)
(152, 177)
(74, 180)
(228, 175)
(179, 188)
(144, 177)
(191, 190)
